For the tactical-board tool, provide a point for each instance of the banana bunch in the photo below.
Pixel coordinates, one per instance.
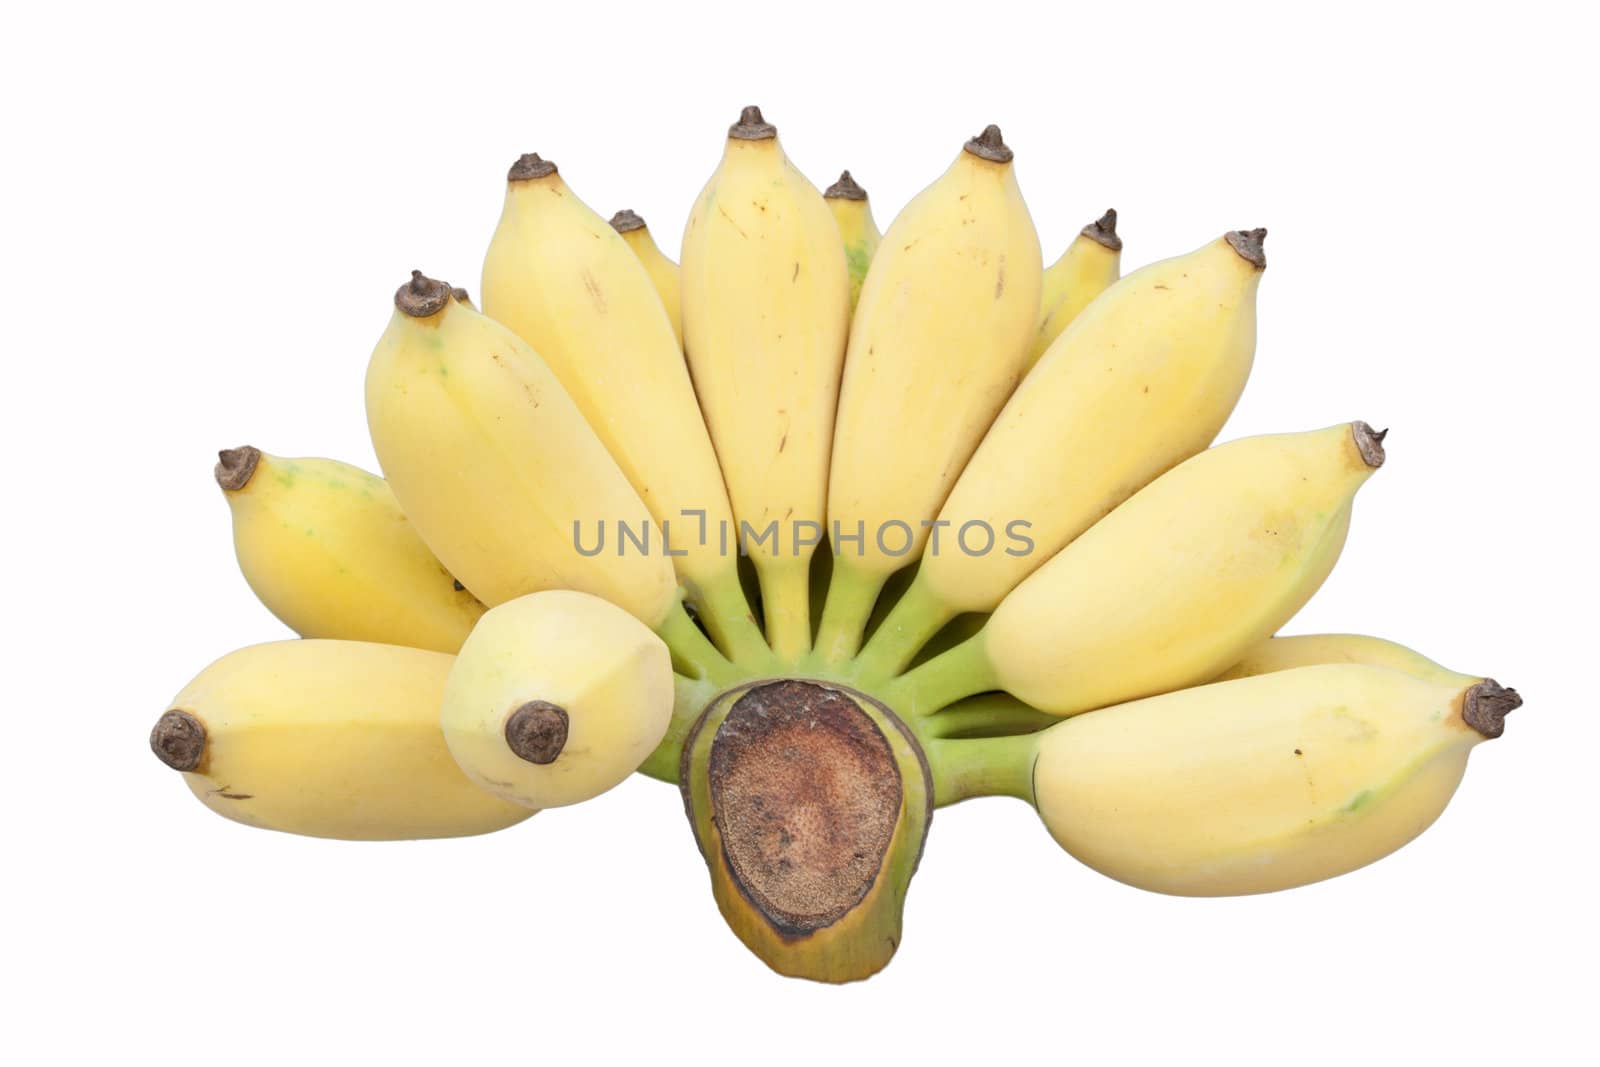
(829, 527)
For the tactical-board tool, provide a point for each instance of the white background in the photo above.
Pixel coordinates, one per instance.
(205, 213)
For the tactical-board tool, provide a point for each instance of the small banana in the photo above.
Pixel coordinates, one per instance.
(327, 739)
(1086, 269)
(555, 698)
(663, 272)
(937, 344)
(327, 549)
(1173, 586)
(1264, 783)
(848, 202)
(1143, 380)
(1286, 653)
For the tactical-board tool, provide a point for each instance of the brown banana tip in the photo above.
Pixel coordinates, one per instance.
(626, 221)
(1249, 244)
(1104, 230)
(422, 296)
(537, 731)
(1486, 705)
(1369, 443)
(179, 740)
(990, 145)
(844, 189)
(528, 167)
(752, 127)
(236, 466)
(461, 296)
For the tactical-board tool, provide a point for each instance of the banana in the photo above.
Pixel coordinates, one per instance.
(852, 213)
(1264, 783)
(327, 549)
(327, 739)
(460, 296)
(938, 342)
(1173, 586)
(555, 698)
(1286, 653)
(1142, 381)
(1086, 269)
(558, 276)
(502, 477)
(663, 272)
(766, 307)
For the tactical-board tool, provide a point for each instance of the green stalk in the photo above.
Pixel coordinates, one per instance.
(693, 654)
(690, 697)
(989, 715)
(851, 597)
(982, 767)
(786, 605)
(963, 671)
(723, 609)
(911, 623)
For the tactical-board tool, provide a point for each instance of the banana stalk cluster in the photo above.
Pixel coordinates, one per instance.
(829, 528)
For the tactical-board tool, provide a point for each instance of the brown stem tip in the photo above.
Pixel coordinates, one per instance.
(537, 731)
(1369, 443)
(461, 296)
(752, 127)
(179, 740)
(236, 466)
(844, 189)
(528, 167)
(1104, 230)
(625, 221)
(990, 145)
(422, 296)
(1248, 243)
(1486, 705)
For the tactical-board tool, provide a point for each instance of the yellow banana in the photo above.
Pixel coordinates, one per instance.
(328, 739)
(555, 698)
(1286, 653)
(328, 550)
(1264, 783)
(460, 296)
(1173, 586)
(938, 342)
(557, 275)
(766, 307)
(848, 202)
(1142, 381)
(663, 272)
(502, 477)
(1086, 269)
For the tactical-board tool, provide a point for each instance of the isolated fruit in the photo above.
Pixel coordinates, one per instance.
(1143, 380)
(852, 212)
(558, 276)
(1174, 585)
(328, 550)
(766, 304)
(938, 342)
(1264, 783)
(327, 739)
(1286, 653)
(663, 272)
(555, 698)
(1086, 269)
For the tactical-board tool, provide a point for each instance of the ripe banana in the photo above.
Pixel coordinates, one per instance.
(1264, 783)
(555, 698)
(663, 272)
(848, 202)
(1142, 381)
(327, 739)
(938, 342)
(1286, 653)
(766, 307)
(1086, 269)
(1172, 587)
(558, 276)
(327, 549)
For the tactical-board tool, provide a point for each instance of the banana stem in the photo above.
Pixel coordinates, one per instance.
(961, 672)
(690, 697)
(693, 654)
(982, 767)
(852, 594)
(990, 715)
(911, 623)
(722, 606)
(786, 605)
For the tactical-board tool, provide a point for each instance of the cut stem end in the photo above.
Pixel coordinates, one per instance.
(1250, 244)
(236, 466)
(1486, 705)
(179, 740)
(537, 731)
(1104, 230)
(990, 145)
(844, 189)
(422, 297)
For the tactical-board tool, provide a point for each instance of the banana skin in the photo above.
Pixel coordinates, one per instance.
(857, 228)
(664, 274)
(1086, 269)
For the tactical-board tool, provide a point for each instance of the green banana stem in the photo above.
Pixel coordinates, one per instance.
(989, 715)
(981, 767)
(690, 697)
(693, 653)
(911, 624)
(852, 594)
(786, 606)
(962, 672)
(722, 607)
